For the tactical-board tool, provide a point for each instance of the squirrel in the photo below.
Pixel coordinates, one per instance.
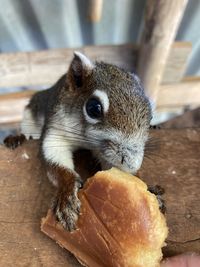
(96, 106)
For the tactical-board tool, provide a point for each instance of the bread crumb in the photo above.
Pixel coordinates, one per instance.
(25, 156)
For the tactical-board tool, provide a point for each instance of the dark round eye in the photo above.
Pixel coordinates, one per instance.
(94, 108)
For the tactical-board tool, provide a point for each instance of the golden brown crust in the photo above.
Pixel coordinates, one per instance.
(120, 223)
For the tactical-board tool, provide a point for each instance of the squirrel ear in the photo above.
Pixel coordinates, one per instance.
(80, 67)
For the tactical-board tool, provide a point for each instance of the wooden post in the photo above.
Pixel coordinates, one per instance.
(95, 10)
(162, 20)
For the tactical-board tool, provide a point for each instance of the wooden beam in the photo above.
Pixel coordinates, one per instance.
(162, 20)
(176, 62)
(172, 97)
(95, 10)
(180, 94)
(45, 67)
(12, 106)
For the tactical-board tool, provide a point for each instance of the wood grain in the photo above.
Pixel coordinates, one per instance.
(45, 67)
(177, 62)
(12, 106)
(175, 167)
(25, 195)
(162, 20)
(180, 94)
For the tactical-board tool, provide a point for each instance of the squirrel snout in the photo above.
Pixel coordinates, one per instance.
(123, 150)
(123, 156)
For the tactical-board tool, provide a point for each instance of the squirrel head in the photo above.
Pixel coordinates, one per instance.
(114, 111)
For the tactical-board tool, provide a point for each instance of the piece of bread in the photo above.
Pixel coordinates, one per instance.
(120, 223)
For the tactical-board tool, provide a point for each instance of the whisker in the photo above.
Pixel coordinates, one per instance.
(59, 137)
(66, 141)
(72, 130)
(148, 158)
(77, 135)
(58, 146)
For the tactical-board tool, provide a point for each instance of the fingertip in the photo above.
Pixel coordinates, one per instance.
(187, 260)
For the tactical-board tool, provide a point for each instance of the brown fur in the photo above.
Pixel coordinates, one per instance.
(129, 113)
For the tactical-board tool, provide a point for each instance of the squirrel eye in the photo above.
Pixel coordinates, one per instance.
(94, 108)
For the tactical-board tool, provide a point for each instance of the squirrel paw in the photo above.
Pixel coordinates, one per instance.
(13, 141)
(158, 191)
(161, 204)
(66, 206)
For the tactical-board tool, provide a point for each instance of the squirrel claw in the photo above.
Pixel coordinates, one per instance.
(67, 218)
(158, 191)
(13, 141)
(161, 204)
(67, 207)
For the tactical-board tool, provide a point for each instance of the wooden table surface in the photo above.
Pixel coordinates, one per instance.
(25, 195)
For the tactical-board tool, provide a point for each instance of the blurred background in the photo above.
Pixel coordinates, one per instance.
(32, 25)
